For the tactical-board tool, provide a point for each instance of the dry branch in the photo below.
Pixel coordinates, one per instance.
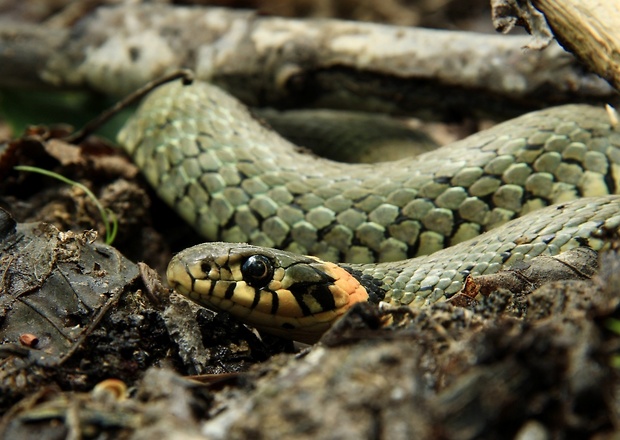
(590, 29)
(285, 63)
(586, 28)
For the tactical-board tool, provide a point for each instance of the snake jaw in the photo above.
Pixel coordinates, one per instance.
(301, 299)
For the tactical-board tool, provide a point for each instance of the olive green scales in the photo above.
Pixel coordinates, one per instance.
(235, 180)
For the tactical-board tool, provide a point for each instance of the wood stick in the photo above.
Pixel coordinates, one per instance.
(268, 61)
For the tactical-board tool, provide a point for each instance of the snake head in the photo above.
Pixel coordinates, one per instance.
(288, 295)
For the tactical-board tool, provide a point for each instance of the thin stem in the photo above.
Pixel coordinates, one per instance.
(110, 229)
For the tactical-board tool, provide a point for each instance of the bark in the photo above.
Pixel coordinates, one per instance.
(586, 28)
(286, 63)
(589, 29)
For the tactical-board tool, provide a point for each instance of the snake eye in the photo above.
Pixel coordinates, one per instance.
(257, 271)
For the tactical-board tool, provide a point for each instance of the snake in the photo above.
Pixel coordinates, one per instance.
(294, 240)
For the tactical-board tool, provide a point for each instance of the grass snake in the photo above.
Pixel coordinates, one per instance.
(409, 230)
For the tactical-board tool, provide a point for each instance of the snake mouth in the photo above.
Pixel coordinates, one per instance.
(178, 278)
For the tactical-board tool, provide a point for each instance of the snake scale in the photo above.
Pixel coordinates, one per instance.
(236, 181)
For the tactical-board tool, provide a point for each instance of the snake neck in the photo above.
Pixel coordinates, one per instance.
(375, 287)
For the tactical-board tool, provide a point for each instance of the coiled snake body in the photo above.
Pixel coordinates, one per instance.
(236, 181)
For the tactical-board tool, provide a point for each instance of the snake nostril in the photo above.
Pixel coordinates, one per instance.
(205, 267)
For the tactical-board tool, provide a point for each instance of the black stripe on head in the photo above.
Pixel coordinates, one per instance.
(230, 290)
(320, 292)
(211, 288)
(275, 302)
(310, 281)
(256, 299)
